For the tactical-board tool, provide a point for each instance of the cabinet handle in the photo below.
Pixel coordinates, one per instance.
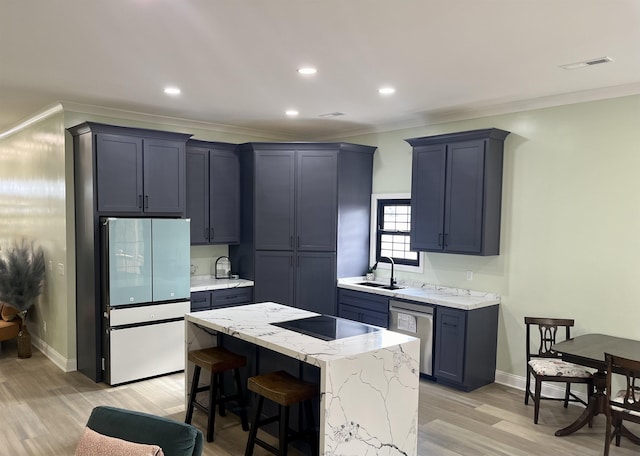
(449, 324)
(211, 234)
(140, 201)
(445, 239)
(206, 234)
(146, 201)
(440, 240)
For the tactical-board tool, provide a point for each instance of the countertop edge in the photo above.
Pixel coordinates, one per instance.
(210, 283)
(434, 298)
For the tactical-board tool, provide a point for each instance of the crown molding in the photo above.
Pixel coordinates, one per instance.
(490, 108)
(37, 117)
(183, 124)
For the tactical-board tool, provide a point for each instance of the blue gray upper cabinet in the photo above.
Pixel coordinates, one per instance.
(305, 220)
(134, 171)
(456, 192)
(213, 192)
(296, 199)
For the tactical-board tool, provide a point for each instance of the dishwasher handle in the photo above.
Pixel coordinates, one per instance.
(412, 309)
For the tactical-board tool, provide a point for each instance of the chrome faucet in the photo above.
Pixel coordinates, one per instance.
(392, 280)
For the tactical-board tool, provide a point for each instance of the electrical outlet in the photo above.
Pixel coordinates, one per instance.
(61, 269)
(44, 326)
(469, 275)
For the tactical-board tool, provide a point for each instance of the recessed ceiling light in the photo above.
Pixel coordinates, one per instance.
(307, 70)
(172, 91)
(386, 90)
(291, 112)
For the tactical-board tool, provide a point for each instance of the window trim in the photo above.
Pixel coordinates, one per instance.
(374, 235)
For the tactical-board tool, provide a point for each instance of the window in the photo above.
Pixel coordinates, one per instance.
(392, 231)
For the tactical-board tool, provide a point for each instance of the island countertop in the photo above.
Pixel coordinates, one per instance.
(252, 323)
(369, 383)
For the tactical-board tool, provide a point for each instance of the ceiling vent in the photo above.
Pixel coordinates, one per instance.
(586, 63)
(331, 114)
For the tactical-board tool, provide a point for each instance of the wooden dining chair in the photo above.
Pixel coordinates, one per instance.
(625, 404)
(544, 365)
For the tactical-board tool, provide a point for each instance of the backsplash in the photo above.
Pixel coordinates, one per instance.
(203, 258)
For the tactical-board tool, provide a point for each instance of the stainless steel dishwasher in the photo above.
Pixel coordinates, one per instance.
(415, 320)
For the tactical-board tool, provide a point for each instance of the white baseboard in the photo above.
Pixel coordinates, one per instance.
(549, 389)
(67, 365)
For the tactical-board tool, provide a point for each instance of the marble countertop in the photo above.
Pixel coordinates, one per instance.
(458, 298)
(252, 323)
(209, 282)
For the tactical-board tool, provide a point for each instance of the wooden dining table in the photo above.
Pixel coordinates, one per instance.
(588, 350)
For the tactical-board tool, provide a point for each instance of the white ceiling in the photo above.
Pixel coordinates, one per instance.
(236, 60)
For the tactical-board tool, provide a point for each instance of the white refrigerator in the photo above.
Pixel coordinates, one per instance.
(146, 290)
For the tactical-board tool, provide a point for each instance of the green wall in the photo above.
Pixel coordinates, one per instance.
(570, 221)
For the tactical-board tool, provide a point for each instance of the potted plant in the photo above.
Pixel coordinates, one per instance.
(370, 274)
(21, 278)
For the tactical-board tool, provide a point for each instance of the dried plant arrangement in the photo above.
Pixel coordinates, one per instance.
(22, 272)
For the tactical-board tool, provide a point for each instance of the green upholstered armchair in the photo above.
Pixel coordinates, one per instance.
(175, 438)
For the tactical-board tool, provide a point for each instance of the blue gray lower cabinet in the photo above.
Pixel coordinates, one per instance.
(226, 297)
(367, 308)
(465, 346)
(465, 341)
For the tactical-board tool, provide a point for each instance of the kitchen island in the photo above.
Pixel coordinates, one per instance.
(368, 383)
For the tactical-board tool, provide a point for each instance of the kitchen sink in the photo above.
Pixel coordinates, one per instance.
(380, 285)
(371, 284)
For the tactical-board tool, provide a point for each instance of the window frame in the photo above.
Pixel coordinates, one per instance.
(374, 244)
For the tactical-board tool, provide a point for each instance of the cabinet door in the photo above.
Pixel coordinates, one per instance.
(198, 194)
(427, 197)
(450, 344)
(119, 176)
(274, 200)
(164, 177)
(316, 200)
(464, 197)
(316, 282)
(224, 197)
(274, 277)
(349, 312)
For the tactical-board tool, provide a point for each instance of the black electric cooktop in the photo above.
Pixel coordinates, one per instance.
(326, 327)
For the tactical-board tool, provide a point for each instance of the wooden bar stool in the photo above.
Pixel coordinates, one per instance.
(284, 390)
(216, 360)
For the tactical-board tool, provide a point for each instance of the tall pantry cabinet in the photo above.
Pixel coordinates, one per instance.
(305, 220)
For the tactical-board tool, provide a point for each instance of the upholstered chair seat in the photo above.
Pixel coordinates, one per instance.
(558, 368)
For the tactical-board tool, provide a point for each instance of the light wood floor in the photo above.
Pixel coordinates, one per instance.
(43, 412)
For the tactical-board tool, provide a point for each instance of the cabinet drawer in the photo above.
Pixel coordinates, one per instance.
(231, 296)
(368, 301)
(363, 315)
(200, 300)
